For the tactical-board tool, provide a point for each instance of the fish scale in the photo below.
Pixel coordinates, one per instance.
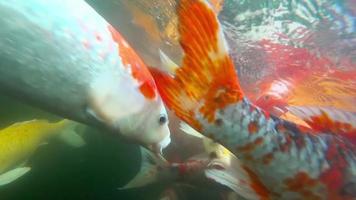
(284, 160)
(315, 151)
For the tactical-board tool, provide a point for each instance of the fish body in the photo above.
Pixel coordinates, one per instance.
(154, 169)
(65, 58)
(301, 78)
(215, 164)
(283, 160)
(20, 140)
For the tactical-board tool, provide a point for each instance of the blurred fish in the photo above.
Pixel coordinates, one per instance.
(65, 58)
(215, 163)
(283, 160)
(146, 25)
(158, 18)
(20, 140)
(301, 78)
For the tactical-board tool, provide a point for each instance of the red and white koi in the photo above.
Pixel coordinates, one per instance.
(283, 160)
(64, 57)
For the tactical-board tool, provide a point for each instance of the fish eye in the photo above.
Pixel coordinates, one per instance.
(163, 119)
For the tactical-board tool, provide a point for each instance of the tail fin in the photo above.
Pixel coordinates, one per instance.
(148, 172)
(235, 177)
(69, 135)
(207, 80)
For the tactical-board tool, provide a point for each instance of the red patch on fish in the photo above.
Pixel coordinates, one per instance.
(138, 69)
(253, 127)
(325, 124)
(207, 80)
(251, 146)
(303, 184)
(333, 177)
(268, 158)
(257, 185)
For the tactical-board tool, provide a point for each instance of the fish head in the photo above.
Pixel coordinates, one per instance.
(153, 131)
(126, 99)
(119, 103)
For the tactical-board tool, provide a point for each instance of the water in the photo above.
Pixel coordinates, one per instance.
(94, 171)
(104, 164)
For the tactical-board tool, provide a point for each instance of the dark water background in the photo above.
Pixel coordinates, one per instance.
(95, 171)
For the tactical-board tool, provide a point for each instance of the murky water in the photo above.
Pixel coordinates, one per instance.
(325, 27)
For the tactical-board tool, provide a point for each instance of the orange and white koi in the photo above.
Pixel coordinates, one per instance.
(64, 57)
(283, 160)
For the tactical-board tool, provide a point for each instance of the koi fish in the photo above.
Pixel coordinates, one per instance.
(20, 140)
(283, 160)
(148, 25)
(65, 58)
(301, 78)
(215, 165)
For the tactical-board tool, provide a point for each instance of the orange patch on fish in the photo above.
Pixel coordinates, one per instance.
(303, 184)
(324, 123)
(257, 185)
(147, 90)
(175, 99)
(251, 146)
(253, 127)
(138, 68)
(207, 77)
(268, 158)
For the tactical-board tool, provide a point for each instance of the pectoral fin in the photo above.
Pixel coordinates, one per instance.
(12, 175)
(149, 171)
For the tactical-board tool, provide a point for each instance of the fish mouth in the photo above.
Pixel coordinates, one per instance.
(157, 148)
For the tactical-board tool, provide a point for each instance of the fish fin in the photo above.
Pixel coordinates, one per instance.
(233, 176)
(148, 172)
(69, 135)
(169, 194)
(29, 122)
(209, 144)
(189, 130)
(167, 64)
(329, 120)
(207, 80)
(13, 174)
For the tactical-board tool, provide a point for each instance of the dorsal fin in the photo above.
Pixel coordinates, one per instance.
(207, 79)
